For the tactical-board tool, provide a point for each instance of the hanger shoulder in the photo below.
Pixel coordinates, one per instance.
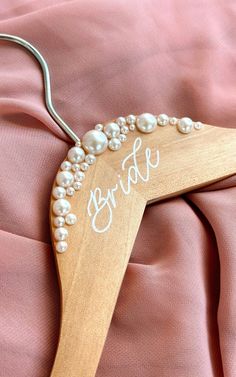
(110, 207)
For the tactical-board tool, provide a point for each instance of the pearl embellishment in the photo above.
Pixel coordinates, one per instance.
(112, 130)
(146, 123)
(61, 246)
(64, 178)
(80, 158)
(185, 125)
(59, 192)
(76, 155)
(95, 142)
(61, 207)
(114, 144)
(61, 234)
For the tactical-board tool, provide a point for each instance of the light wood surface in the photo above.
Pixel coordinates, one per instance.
(92, 269)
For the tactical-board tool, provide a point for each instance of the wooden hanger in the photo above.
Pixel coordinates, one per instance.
(148, 168)
(92, 269)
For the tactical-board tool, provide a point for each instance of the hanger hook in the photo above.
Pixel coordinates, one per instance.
(47, 84)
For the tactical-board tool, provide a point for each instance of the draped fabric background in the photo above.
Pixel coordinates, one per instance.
(176, 313)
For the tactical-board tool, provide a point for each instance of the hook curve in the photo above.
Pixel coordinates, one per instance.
(47, 83)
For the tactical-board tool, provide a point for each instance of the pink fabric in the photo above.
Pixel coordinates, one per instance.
(176, 313)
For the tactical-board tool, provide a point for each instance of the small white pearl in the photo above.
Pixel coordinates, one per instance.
(131, 119)
(173, 121)
(64, 178)
(198, 125)
(84, 166)
(95, 142)
(71, 219)
(79, 176)
(59, 221)
(76, 155)
(99, 127)
(90, 159)
(132, 127)
(124, 130)
(185, 125)
(146, 123)
(61, 207)
(121, 121)
(162, 120)
(77, 185)
(59, 192)
(114, 144)
(60, 234)
(122, 138)
(66, 165)
(61, 246)
(75, 167)
(78, 143)
(111, 130)
(70, 191)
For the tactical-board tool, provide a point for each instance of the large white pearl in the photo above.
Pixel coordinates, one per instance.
(114, 144)
(162, 120)
(59, 192)
(61, 207)
(112, 130)
(60, 234)
(146, 123)
(185, 125)
(59, 221)
(61, 246)
(95, 142)
(76, 155)
(64, 178)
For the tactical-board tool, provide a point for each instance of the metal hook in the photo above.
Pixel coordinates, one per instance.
(47, 84)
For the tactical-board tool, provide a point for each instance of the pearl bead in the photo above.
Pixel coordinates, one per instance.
(124, 130)
(70, 191)
(90, 159)
(173, 121)
(59, 221)
(121, 121)
(61, 207)
(76, 154)
(84, 166)
(146, 123)
(132, 127)
(114, 144)
(61, 246)
(59, 192)
(111, 130)
(162, 120)
(79, 176)
(95, 142)
(77, 185)
(75, 167)
(71, 219)
(64, 178)
(185, 125)
(60, 234)
(66, 165)
(198, 125)
(122, 138)
(99, 127)
(130, 119)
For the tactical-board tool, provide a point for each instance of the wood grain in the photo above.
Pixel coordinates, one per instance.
(92, 270)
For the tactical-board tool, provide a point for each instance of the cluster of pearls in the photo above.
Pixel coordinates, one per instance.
(110, 135)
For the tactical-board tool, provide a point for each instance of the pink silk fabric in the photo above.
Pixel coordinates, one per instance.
(176, 312)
